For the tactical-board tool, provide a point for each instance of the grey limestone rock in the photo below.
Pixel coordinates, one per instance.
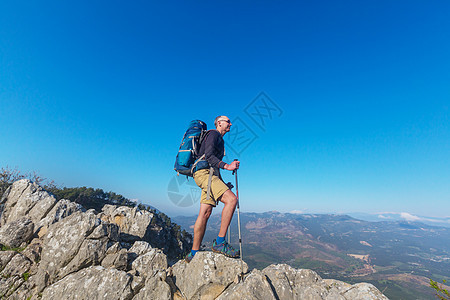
(291, 283)
(17, 232)
(142, 225)
(133, 223)
(9, 285)
(5, 258)
(118, 260)
(156, 288)
(363, 291)
(75, 242)
(103, 230)
(91, 253)
(94, 282)
(18, 265)
(139, 248)
(254, 286)
(150, 263)
(14, 274)
(336, 288)
(24, 291)
(63, 208)
(33, 250)
(26, 198)
(114, 248)
(207, 273)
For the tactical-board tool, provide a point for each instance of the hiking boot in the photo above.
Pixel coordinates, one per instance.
(188, 257)
(226, 249)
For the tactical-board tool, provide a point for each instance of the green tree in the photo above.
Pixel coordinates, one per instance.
(441, 292)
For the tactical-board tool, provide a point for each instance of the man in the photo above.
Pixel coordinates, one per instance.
(213, 150)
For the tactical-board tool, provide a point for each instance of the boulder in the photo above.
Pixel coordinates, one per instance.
(118, 259)
(207, 273)
(91, 253)
(254, 286)
(75, 242)
(94, 282)
(291, 283)
(15, 233)
(63, 208)
(336, 288)
(363, 291)
(133, 223)
(148, 264)
(26, 198)
(156, 288)
(139, 248)
(141, 225)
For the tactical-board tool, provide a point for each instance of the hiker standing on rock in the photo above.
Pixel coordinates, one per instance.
(213, 150)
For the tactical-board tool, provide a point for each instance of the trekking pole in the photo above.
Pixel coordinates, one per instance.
(239, 224)
(229, 227)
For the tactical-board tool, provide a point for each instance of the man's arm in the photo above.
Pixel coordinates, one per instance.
(233, 166)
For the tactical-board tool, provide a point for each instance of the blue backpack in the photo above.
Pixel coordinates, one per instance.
(187, 157)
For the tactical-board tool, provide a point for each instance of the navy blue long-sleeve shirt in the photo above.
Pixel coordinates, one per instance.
(214, 149)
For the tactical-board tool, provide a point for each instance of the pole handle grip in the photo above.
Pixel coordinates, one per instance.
(234, 171)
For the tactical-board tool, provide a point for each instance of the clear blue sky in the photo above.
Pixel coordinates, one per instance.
(99, 94)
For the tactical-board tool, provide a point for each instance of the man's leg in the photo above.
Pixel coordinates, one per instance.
(200, 225)
(230, 201)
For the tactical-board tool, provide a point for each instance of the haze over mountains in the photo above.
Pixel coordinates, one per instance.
(403, 216)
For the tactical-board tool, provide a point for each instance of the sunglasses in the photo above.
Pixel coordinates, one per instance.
(228, 121)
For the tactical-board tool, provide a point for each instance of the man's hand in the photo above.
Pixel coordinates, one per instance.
(233, 166)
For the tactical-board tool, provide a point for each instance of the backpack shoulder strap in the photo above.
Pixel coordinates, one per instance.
(208, 194)
(204, 134)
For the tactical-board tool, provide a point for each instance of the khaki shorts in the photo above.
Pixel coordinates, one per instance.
(218, 187)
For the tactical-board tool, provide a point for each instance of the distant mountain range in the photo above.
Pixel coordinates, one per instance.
(392, 216)
(397, 255)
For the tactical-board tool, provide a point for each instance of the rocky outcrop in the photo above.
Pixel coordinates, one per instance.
(207, 274)
(96, 282)
(136, 225)
(156, 287)
(62, 209)
(58, 250)
(75, 242)
(292, 283)
(25, 198)
(363, 291)
(254, 286)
